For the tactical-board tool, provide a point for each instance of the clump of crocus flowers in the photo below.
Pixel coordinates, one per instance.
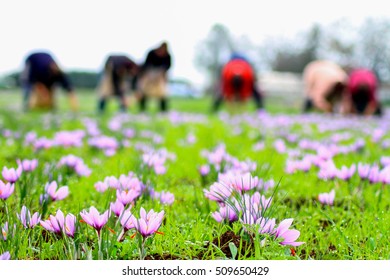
(327, 198)
(239, 200)
(146, 226)
(28, 220)
(60, 224)
(6, 190)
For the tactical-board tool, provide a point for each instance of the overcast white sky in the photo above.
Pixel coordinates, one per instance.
(81, 33)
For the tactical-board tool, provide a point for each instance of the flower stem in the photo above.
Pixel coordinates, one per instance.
(141, 243)
(100, 253)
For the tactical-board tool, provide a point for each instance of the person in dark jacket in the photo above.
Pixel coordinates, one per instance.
(40, 76)
(118, 70)
(153, 77)
(238, 83)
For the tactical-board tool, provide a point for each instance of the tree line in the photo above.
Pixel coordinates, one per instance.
(350, 46)
(80, 79)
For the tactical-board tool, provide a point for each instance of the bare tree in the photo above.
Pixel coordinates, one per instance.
(293, 56)
(373, 47)
(213, 52)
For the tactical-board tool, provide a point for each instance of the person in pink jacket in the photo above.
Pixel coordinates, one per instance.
(362, 93)
(325, 86)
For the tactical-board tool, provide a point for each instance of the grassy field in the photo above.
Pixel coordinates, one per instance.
(279, 146)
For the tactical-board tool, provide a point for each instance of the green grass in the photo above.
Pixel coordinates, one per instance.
(355, 228)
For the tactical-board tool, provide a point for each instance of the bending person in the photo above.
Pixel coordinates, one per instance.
(118, 69)
(362, 91)
(325, 86)
(39, 77)
(152, 80)
(238, 83)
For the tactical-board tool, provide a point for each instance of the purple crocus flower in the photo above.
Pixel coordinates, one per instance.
(117, 207)
(55, 223)
(101, 187)
(82, 170)
(28, 165)
(4, 231)
(127, 196)
(95, 219)
(288, 235)
(149, 223)
(5, 256)
(265, 225)
(155, 160)
(225, 213)
(60, 194)
(280, 146)
(60, 224)
(328, 170)
(166, 198)
(6, 190)
(204, 170)
(27, 220)
(112, 182)
(127, 220)
(363, 170)
(268, 184)
(373, 176)
(12, 174)
(384, 175)
(327, 198)
(238, 182)
(191, 138)
(69, 160)
(259, 202)
(70, 225)
(346, 173)
(218, 192)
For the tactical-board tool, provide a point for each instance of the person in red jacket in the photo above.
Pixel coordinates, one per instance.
(238, 83)
(362, 91)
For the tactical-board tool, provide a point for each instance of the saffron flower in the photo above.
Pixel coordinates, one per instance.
(167, 198)
(55, 223)
(225, 213)
(346, 173)
(326, 198)
(60, 194)
(6, 190)
(70, 225)
(127, 196)
(27, 220)
(288, 235)
(12, 174)
(117, 207)
(28, 165)
(265, 225)
(204, 170)
(101, 186)
(59, 224)
(4, 231)
(363, 170)
(5, 256)
(95, 219)
(240, 182)
(218, 192)
(149, 223)
(127, 220)
(373, 176)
